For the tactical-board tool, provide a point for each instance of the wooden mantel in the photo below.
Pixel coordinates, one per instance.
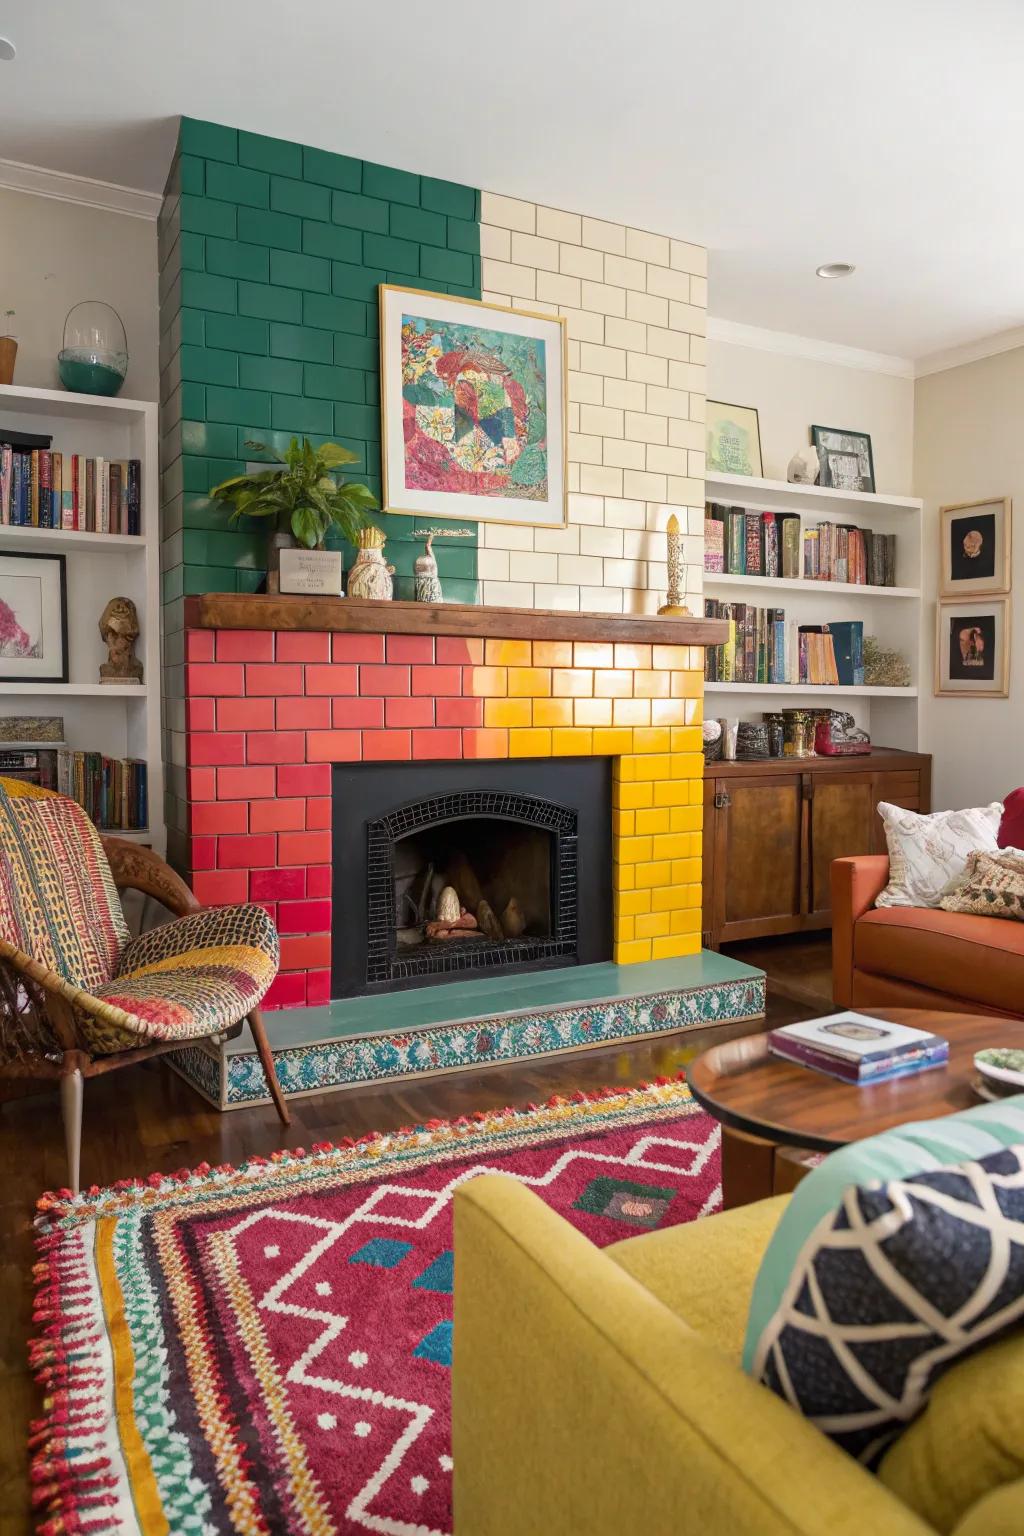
(230, 610)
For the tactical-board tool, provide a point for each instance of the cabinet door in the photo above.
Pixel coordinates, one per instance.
(842, 823)
(759, 842)
(902, 787)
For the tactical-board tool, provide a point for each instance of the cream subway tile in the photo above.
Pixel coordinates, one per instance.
(509, 212)
(553, 224)
(696, 463)
(599, 480)
(604, 237)
(688, 376)
(574, 416)
(601, 419)
(601, 599)
(623, 514)
(657, 573)
(688, 258)
(645, 369)
(583, 325)
(528, 251)
(640, 485)
(580, 569)
(625, 573)
(587, 388)
(558, 289)
(503, 299)
(638, 600)
(694, 575)
(601, 541)
(506, 536)
(699, 291)
(668, 402)
(692, 550)
(626, 455)
(557, 541)
(625, 395)
(694, 521)
(698, 410)
(646, 247)
(683, 489)
(668, 461)
(584, 449)
(625, 333)
(698, 349)
(637, 544)
(579, 262)
(671, 344)
(611, 361)
(543, 308)
(587, 508)
(495, 242)
(559, 595)
(625, 273)
(508, 594)
(532, 567)
(573, 354)
(687, 317)
(492, 564)
(658, 514)
(606, 300)
(644, 428)
(668, 284)
(647, 308)
(685, 434)
(573, 481)
(521, 282)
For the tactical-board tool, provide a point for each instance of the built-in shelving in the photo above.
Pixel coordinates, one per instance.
(863, 691)
(807, 584)
(38, 540)
(789, 496)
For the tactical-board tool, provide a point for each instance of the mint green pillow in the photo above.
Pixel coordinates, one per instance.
(918, 1147)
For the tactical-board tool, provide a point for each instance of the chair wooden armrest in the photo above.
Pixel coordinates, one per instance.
(140, 869)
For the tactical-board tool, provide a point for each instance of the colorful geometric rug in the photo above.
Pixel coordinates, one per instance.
(268, 1348)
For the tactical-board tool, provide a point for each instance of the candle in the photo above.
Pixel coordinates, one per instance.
(675, 604)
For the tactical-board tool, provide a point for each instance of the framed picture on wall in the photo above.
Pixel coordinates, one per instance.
(975, 548)
(845, 459)
(33, 619)
(733, 439)
(473, 409)
(972, 649)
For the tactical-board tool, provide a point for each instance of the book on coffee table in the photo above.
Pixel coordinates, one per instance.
(858, 1049)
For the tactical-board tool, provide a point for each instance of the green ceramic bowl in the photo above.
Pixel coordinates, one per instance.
(1003, 1064)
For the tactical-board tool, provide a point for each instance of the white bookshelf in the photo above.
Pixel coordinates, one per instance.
(891, 614)
(117, 720)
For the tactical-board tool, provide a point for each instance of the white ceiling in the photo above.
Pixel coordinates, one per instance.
(779, 133)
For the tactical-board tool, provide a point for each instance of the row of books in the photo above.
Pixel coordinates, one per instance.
(844, 552)
(763, 648)
(42, 488)
(113, 791)
(858, 1049)
(738, 542)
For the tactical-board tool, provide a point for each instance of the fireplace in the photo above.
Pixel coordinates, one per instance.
(449, 870)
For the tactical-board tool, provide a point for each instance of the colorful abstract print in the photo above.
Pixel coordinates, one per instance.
(474, 406)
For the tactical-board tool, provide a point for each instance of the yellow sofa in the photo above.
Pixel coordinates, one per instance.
(598, 1391)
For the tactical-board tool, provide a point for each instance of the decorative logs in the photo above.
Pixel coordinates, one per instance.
(488, 922)
(512, 920)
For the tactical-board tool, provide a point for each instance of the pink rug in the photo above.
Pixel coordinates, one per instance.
(268, 1349)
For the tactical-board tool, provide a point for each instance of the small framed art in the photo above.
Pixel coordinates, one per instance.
(733, 439)
(473, 409)
(975, 548)
(972, 649)
(845, 459)
(33, 619)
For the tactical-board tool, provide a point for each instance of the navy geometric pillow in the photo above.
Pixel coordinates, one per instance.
(892, 1289)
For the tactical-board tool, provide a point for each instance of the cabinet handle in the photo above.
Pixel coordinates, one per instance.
(722, 801)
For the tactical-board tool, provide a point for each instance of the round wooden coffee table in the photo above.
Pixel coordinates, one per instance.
(764, 1102)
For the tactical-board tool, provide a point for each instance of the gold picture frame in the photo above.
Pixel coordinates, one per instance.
(425, 503)
(976, 534)
(972, 648)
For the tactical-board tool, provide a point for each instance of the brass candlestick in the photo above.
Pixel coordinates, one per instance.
(675, 605)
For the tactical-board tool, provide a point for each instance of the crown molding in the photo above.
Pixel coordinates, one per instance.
(83, 190)
(809, 348)
(970, 352)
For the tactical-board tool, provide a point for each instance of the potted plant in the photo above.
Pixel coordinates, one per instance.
(8, 346)
(305, 500)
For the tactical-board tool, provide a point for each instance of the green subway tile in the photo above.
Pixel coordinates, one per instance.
(332, 240)
(209, 439)
(267, 303)
(199, 474)
(271, 444)
(208, 578)
(371, 388)
(332, 170)
(356, 351)
(464, 235)
(457, 561)
(460, 591)
(205, 216)
(394, 186)
(291, 413)
(193, 402)
(234, 258)
(237, 405)
(457, 291)
(199, 365)
(357, 282)
(449, 197)
(192, 330)
(303, 199)
(289, 269)
(399, 255)
(238, 333)
(273, 373)
(448, 266)
(191, 174)
(358, 421)
(373, 321)
(325, 383)
(204, 290)
(302, 342)
(192, 252)
(251, 581)
(418, 225)
(361, 450)
(230, 548)
(331, 314)
(263, 228)
(359, 212)
(235, 184)
(172, 584)
(405, 588)
(263, 154)
(212, 141)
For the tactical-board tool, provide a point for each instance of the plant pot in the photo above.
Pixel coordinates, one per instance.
(8, 352)
(281, 538)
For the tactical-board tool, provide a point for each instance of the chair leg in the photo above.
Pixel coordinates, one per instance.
(266, 1056)
(71, 1093)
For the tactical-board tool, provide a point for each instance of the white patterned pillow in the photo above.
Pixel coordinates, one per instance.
(929, 853)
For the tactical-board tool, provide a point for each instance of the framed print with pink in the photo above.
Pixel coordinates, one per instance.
(472, 409)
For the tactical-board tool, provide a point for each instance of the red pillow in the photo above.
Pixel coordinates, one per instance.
(1011, 828)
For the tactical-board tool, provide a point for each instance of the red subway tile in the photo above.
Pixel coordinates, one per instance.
(304, 847)
(300, 952)
(410, 648)
(277, 884)
(379, 682)
(334, 746)
(304, 779)
(270, 908)
(249, 852)
(276, 747)
(318, 988)
(199, 645)
(459, 653)
(245, 714)
(333, 679)
(219, 887)
(437, 680)
(221, 816)
(203, 852)
(276, 816)
(214, 680)
(387, 746)
(202, 784)
(304, 917)
(215, 747)
(318, 880)
(303, 714)
(437, 743)
(287, 990)
(276, 678)
(358, 714)
(357, 648)
(255, 783)
(303, 647)
(318, 813)
(201, 714)
(459, 712)
(407, 712)
(245, 645)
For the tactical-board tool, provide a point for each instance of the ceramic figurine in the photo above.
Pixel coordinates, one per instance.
(370, 576)
(428, 582)
(674, 605)
(448, 908)
(119, 627)
(803, 467)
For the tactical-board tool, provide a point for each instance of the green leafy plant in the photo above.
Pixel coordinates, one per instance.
(304, 495)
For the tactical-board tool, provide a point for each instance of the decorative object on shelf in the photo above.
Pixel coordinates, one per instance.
(752, 740)
(674, 605)
(836, 734)
(428, 583)
(33, 619)
(304, 499)
(776, 732)
(473, 409)
(370, 576)
(884, 667)
(310, 570)
(804, 467)
(730, 726)
(712, 737)
(972, 649)
(975, 548)
(8, 347)
(798, 729)
(119, 629)
(845, 459)
(27, 730)
(94, 357)
(733, 439)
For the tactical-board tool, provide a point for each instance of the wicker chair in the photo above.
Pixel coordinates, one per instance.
(78, 995)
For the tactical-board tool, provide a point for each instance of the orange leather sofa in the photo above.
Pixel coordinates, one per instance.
(917, 957)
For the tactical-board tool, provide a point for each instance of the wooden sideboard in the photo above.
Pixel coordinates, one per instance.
(773, 827)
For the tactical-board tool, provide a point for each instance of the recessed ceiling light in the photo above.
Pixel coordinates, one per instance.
(7, 49)
(836, 269)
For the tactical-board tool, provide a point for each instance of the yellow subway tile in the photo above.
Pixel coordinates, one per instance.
(655, 765)
(623, 823)
(624, 769)
(695, 711)
(632, 711)
(652, 738)
(623, 876)
(669, 898)
(632, 796)
(633, 656)
(508, 712)
(687, 685)
(613, 742)
(592, 711)
(529, 743)
(670, 658)
(613, 685)
(477, 743)
(675, 948)
(509, 653)
(629, 903)
(671, 845)
(672, 792)
(687, 818)
(685, 870)
(650, 876)
(633, 850)
(654, 821)
(688, 765)
(529, 682)
(653, 925)
(487, 682)
(682, 920)
(688, 738)
(552, 653)
(552, 712)
(668, 711)
(694, 896)
(635, 952)
(697, 792)
(572, 683)
(567, 741)
(625, 929)
(652, 685)
(592, 653)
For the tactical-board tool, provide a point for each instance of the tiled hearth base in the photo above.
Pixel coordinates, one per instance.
(463, 1025)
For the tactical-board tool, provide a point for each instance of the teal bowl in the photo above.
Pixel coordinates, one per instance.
(92, 373)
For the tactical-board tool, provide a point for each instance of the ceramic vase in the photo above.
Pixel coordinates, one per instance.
(428, 582)
(370, 576)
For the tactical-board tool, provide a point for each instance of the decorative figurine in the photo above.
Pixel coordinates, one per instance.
(119, 627)
(428, 582)
(804, 467)
(675, 605)
(370, 576)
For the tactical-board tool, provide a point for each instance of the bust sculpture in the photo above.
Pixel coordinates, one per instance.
(119, 628)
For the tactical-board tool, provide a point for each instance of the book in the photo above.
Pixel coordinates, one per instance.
(752, 537)
(114, 792)
(858, 1049)
(714, 539)
(848, 647)
(789, 541)
(770, 540)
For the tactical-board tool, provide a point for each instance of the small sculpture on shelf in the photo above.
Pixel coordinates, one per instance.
(803, 467)
(119, 628)
(428, 582)
(836, 734)
(370, 576)
(674, 606)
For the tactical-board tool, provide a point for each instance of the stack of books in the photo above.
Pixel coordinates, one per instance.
(844, 552)
(43, 488)
(858, 1049)
(755, 651)
(742, 543)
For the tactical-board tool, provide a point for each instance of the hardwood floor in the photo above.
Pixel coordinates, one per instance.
(145, 1119)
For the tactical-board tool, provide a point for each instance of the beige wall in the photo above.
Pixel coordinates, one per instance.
(968, 445)
(52, 254)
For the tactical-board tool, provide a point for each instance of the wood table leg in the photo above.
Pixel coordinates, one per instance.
(748, 1168)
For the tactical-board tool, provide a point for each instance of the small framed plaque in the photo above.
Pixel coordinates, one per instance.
(311, 571)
